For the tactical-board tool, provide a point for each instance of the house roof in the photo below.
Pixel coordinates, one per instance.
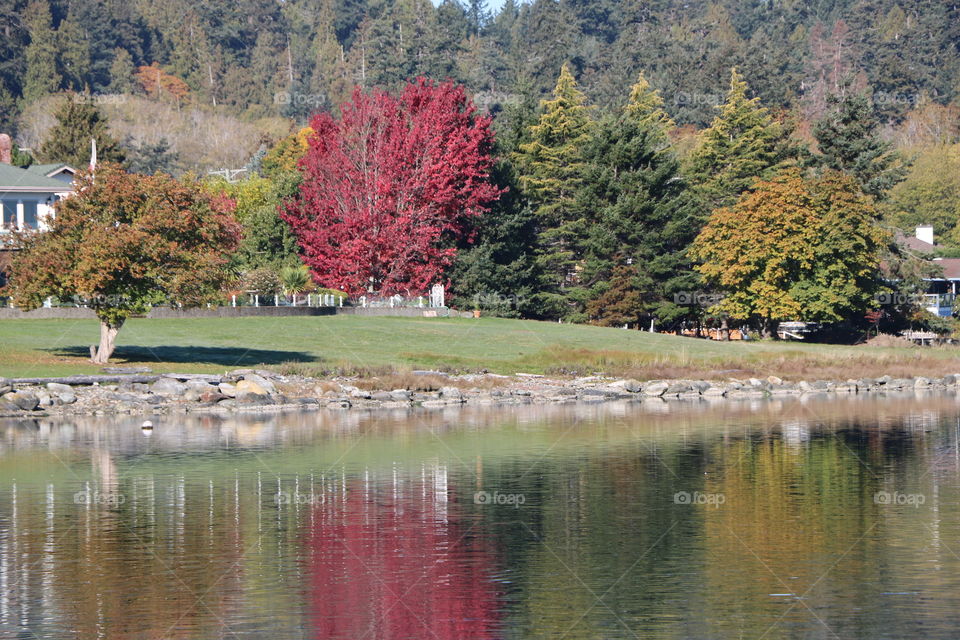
(50, 170)
(15, 179)
(914, 243)
(950, 266)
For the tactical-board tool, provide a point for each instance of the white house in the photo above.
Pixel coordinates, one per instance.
(27, 196)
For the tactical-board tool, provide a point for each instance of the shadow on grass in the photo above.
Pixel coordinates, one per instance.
(227, 356)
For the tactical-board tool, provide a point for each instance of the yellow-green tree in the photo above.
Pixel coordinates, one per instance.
(742, 143)
(794, 249)
(551, 167)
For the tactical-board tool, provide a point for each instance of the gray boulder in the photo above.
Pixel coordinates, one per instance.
(25, 400)
(57, 388)
(655, 389)
(5, 386)
(167, 387)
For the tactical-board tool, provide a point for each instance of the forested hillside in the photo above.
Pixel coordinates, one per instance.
(260, 58)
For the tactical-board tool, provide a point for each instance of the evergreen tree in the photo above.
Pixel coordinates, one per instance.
(78, 121)
(121, 72)
(478, 16)
(743, 143)
(848, 141)
(646, 106)
(639, 219)
(42, 77)
(73, 55)
(551, 168)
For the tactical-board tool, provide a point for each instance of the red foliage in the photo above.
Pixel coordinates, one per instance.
(395, 565)
(389, 187)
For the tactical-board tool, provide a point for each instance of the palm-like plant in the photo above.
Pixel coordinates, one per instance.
(295, 279)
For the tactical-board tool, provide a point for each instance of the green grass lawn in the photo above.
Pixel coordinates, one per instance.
(31, 348)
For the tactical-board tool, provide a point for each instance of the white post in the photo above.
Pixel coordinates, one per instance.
(294, 299)
(341, 301)
(20, 215)
(276, 300)
(233, 300)
(256, 299)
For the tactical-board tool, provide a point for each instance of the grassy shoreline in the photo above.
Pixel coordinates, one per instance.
(323, 346)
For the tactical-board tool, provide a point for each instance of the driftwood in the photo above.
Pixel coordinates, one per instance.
(116, 379)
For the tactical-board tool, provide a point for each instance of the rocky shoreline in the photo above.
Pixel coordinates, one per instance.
(246, 390)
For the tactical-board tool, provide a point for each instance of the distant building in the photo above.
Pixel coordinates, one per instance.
(27, 197)
(942, 290)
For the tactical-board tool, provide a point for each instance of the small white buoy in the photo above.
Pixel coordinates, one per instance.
(146, 427)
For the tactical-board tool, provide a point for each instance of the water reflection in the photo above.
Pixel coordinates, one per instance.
(787, 518)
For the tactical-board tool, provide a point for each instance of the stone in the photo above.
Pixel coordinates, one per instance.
(253, 398)
(400, 395)
(200, 385)
(57, 388)
(655, 389)
(715, 392)
(382, 396)
(5, 386)
(212, 396)
(361, 394)
(45, 400)
(678, 388)
(227, 389)
(921, 383)
(633, 386)
(248, 386)
(67, 397)
(261, 381)
(25, 400)
(700, 385)
(451, 393)
(168, 387)
(774, 380)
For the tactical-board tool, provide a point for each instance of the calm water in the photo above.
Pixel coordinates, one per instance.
(781, 519)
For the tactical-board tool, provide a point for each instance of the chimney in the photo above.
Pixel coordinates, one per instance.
(6, 149)
(925, 233)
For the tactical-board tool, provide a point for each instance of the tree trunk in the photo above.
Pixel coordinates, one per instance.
(724, 330)
(108, 337)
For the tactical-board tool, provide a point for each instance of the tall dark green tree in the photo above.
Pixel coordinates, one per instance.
(639, 218)
(848, 141)
(79, 121)
(42, 76)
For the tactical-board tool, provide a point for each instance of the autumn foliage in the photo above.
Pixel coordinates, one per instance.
(794, 249)
(124, 242)
(157, 83)
(389, 187)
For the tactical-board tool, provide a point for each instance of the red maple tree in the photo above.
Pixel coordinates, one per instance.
(388, 188)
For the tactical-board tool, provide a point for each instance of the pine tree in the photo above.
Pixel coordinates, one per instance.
(848, 141)
(42, 77)
(639, 218)
(551, 167)
(121, 72)
(78, 121)
(73, 55)
(646, 106)
(743, 143)
(478, 15)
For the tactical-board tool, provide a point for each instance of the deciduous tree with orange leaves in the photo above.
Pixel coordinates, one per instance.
(794, 248)
(124, 242)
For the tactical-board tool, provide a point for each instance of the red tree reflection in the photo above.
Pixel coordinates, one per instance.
(389, 563)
